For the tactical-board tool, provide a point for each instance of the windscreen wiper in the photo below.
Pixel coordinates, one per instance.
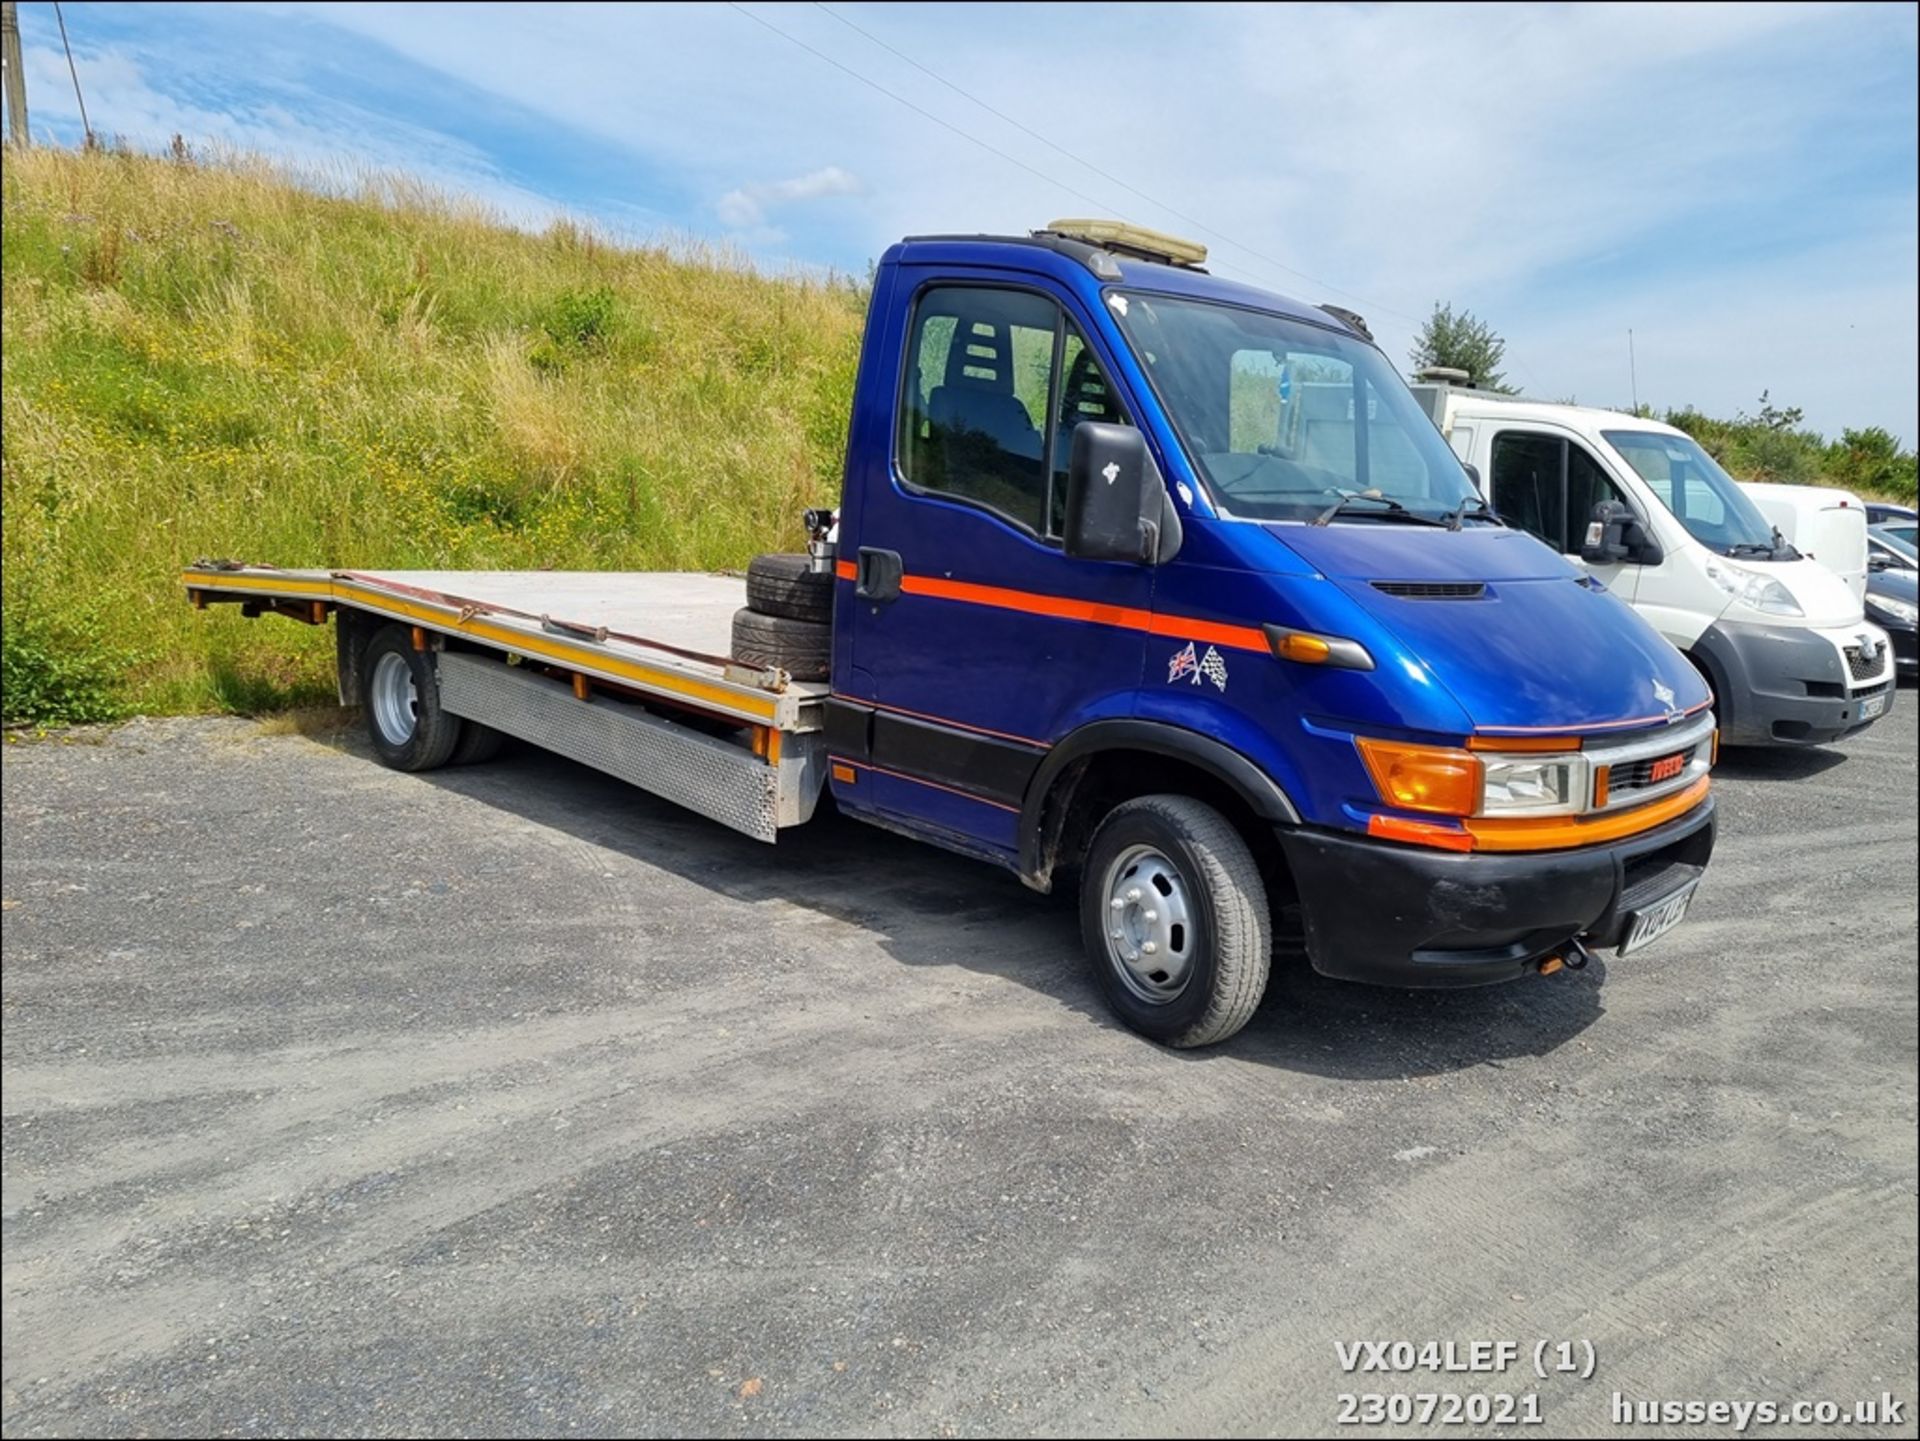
(1394, 511)
(1751, 547)
(1460, 512)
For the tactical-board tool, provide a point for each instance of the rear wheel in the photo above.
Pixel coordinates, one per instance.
(477, 744)
(400, 697)
(788, 585)
(1174, 917)
(801, 648)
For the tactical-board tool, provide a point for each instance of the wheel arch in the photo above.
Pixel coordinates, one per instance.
(1107, 762)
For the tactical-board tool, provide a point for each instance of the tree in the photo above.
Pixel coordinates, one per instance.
(1461, 341)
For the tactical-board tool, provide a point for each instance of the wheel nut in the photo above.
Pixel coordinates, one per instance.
(1149, 948)
(1151, 915)
(1134, 894)
(1118, 904)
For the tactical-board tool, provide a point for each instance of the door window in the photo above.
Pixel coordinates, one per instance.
(1528, 486)
(997, 381)
(1548, 487)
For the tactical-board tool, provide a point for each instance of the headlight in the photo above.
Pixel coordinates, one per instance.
(1440, 780)
(1533, 785)
(1758, 592)
(1900, 612)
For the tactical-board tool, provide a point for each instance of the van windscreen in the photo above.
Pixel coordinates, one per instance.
(1702, 496)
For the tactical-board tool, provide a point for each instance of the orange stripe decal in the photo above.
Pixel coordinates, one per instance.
(1058, 607)
(1419, 833)
(1548, 833)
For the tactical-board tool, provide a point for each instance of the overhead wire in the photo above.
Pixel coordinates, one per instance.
(1108, 176)
(80, 99)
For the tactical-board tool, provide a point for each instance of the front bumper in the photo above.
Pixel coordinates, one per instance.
(1779, 685)
(1402, 915)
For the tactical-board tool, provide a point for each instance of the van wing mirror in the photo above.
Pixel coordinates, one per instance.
(1117, 505)
(1615, 536)
(1878, 562)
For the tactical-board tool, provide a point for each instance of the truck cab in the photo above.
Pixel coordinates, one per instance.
(1168, 585)
(1644, 510)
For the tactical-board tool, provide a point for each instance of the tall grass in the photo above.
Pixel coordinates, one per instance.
(215, 360)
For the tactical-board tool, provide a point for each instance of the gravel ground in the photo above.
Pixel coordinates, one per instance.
(507, 1100)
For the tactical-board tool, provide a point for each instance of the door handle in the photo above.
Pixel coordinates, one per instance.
(879, 575)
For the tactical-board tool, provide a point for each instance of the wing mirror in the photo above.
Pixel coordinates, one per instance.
(1117, 505)
(1615, 536)
(1878, 562)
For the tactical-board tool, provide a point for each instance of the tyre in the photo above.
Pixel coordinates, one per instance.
(1174, 917)
(400, 697)
(801, 648)
(478, 744)
(788, 585)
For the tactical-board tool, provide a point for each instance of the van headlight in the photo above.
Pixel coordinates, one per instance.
(1537, 785)
(1898, 611)
(1757, 592)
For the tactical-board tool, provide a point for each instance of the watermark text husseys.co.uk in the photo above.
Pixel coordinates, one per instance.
(1881, 1410)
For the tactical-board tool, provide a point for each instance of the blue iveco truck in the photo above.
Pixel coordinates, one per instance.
(1141, 581)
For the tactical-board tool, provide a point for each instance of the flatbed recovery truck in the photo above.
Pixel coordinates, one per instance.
(1103, 602)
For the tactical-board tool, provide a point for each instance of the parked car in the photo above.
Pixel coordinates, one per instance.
(1890, 547)
(1893, 572)
(1783, 640)
(1897, 528)
(1103, 601)
(1881, 512)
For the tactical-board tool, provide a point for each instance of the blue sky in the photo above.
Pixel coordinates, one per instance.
(1736, 183)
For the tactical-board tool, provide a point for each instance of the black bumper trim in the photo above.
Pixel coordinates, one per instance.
(1404, 916)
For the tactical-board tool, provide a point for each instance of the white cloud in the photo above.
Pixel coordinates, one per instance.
(1724, 179)
(746, 208)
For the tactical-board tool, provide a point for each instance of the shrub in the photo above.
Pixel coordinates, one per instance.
(58, 671)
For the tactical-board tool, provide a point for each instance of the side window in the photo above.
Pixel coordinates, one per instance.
(1084, 395)
(979, 379)
(1587, 486)
(1526, 484)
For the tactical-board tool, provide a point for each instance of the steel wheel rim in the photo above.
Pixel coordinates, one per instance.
(396, 702)
(1148, 920)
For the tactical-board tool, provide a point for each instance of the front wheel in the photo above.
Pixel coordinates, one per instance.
(1174, 917)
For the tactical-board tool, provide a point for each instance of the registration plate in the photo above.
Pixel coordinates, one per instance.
(1872, 706)
(1646, 927)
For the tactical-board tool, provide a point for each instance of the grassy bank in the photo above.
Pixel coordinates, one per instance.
(210, 360)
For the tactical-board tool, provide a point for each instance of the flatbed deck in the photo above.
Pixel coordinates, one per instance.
(662, 633)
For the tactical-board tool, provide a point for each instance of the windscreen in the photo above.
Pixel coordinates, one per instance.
(1282, 418)
(1702, 496)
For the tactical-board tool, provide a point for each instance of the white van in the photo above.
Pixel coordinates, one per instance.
(1783, 641)
(1823, 524)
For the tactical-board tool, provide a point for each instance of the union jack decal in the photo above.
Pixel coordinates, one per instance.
(1191, 667)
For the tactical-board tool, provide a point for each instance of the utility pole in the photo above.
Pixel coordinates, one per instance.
(1633, 372)
(16, 76)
